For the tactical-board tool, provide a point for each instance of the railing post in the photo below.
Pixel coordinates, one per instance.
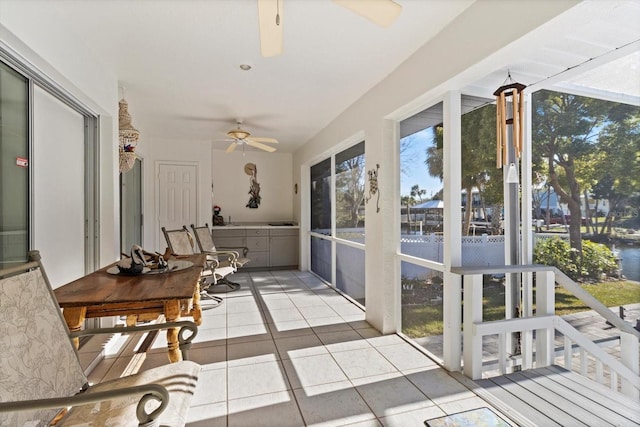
(629, 351)
(452, 323)
(545, 306)
(472, 344)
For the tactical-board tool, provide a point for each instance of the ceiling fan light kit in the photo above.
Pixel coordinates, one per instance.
(240, 136)
(238, 133)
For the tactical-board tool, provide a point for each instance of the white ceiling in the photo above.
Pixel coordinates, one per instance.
(593, 50)
(178, 60)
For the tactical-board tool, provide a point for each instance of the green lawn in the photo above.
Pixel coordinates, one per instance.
(426, 320)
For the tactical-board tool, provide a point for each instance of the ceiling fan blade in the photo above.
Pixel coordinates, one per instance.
(271, 33)
(231, 147)
(260, 145)
(259, 139)
(380, 12)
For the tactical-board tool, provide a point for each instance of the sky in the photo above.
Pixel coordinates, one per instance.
(412, 162)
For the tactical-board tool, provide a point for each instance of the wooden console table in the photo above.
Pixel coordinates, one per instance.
(143, 297)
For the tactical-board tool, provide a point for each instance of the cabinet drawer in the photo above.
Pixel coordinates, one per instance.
(228, 232)
(257, 232)
(257, 244)
(229, 242)
(283, 232)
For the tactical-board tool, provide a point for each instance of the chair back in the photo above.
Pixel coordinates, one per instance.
(37, 357)
(180, 241)
(204, 238)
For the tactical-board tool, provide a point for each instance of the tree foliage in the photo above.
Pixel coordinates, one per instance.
(580, 139)
(595, 260)
(478, 159)
(349, 191)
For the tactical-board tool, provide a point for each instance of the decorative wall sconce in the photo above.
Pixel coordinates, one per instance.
(373, 187)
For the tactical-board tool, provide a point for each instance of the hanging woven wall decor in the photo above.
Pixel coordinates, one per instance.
(514, 116)
(128, 137)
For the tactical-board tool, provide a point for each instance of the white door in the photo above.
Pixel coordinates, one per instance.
(177, 197)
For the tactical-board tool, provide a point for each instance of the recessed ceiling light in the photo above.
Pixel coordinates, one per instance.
(245, 67)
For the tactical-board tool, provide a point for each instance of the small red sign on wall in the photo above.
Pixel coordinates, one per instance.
(22, 162)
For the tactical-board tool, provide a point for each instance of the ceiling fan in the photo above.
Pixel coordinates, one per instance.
(380, 12)
(240, 136)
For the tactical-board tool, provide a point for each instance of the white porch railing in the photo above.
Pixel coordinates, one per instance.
(538, 332)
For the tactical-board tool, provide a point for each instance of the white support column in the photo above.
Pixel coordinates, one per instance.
(545, 299)
(472, 314)
(452, 307)
(526, 250)
(382, 273)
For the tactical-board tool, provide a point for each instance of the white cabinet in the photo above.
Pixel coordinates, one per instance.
(269, 247)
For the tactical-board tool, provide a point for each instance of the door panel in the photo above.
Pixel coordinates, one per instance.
(177, 199)
(59, 187)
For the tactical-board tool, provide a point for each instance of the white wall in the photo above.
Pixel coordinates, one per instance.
(231, 185)
(472, 46)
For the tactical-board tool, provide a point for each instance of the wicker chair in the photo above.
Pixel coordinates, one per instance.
(41, 375)
(226, 257)
(182, 242)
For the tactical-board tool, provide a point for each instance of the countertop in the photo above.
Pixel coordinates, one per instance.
(258, 225)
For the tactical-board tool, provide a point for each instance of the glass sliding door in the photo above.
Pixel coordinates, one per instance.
(321, 198)
(49, 174)
(349, 217)
(337, 220)
(14, 172)
(59, 173)
(321, 251)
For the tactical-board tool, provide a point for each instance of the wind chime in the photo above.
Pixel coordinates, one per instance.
(510, 92)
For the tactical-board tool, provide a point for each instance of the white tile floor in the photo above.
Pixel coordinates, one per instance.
(286, 350)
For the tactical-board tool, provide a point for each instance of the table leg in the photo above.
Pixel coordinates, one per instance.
(132, 319)
(74, 316)
(172, 314)
(196, 311)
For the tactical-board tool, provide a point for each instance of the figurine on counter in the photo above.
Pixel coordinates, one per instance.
(217, 218)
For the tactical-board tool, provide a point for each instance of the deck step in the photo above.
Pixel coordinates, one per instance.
(555, 396)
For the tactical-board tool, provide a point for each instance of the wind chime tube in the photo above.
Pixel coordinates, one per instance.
(498, 135)
(521, 117)
(516, 124)
(516, 120)
(503, 123)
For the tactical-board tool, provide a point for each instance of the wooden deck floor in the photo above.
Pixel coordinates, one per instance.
(553, 396)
